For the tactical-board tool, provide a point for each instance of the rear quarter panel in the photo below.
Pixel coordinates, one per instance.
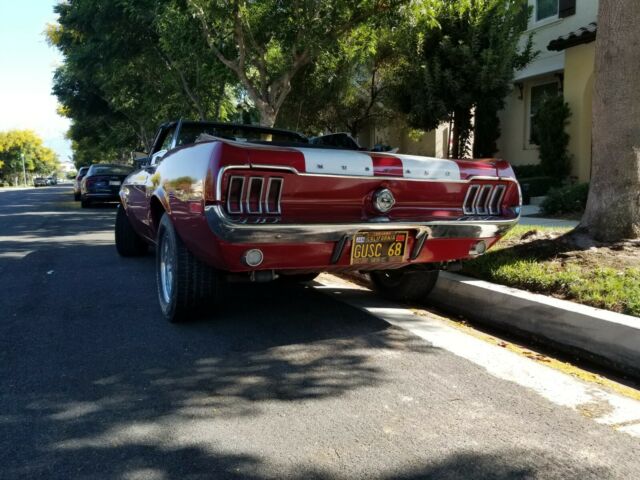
(180, 183)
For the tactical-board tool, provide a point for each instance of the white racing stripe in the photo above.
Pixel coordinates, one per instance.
(337, 162)
(350, 163)
(429, 168)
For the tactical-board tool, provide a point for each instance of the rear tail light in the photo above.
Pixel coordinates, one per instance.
(274, 194)
(484, 199)
(254, 195)
(235, 195)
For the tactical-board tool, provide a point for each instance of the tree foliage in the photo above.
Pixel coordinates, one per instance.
(266, 44)
(346, 87)
(461, 63)
(328, 65)
(38, 159)
(130, 65)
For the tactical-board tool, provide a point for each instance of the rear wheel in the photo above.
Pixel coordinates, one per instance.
(84, 203)
(403, 284)
(128, 242)
(184, 283)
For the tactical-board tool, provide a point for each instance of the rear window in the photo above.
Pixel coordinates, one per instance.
(110, 170)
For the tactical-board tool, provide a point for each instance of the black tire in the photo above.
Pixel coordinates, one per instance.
(404, 285)
(128, 242)
(84, 203)
(76, 196)
(190, 284)
(298, 278)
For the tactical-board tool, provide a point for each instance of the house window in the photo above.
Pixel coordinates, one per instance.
(537, 95)
(546, 9)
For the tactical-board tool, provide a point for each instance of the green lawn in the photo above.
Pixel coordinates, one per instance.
(552, 267)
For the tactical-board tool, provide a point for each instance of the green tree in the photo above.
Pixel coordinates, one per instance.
(130, 65)
(266, 44)
(38, 159)
(461, 63)
(346, 87)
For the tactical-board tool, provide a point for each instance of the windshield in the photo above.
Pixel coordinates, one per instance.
(189, 133)
(110, 170)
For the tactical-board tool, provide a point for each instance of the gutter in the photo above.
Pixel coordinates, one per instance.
(600, 336)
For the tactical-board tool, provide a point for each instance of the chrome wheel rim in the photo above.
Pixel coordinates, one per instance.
(166, 269)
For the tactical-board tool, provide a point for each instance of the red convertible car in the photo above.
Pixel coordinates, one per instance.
(230, 202)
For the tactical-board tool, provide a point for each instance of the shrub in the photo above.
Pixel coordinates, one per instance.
(538, 186)
(550, 122)
(527, 171)
(569, 199)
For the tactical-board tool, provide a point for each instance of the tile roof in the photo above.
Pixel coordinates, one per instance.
(577, 37)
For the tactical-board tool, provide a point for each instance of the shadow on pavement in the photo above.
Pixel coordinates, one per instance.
(94, 384)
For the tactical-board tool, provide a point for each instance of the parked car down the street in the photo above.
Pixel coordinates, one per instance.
(102, 183)
(76, 182)
(256, 203)
(40, 182)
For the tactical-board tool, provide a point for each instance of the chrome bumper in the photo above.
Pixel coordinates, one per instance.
(233, 232)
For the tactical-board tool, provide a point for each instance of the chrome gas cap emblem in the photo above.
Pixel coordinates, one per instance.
(383, 200)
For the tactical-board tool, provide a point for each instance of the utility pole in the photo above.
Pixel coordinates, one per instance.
(24, 169)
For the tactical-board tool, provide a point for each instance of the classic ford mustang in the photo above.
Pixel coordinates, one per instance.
(230, 202)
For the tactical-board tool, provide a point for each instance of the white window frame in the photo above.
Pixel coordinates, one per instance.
(527, 120)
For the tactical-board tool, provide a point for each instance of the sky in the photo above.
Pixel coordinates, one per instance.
(26, 73)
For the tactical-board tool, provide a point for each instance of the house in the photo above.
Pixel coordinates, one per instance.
(563, 32)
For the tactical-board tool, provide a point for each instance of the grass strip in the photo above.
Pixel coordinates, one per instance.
(538, 266)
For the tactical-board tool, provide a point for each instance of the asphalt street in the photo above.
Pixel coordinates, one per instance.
(278, 382)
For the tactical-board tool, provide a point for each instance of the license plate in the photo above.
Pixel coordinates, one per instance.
(378, 247)
(115, 183)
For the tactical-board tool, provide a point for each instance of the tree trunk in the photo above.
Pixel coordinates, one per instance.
(455, 139)
(613, 207)
(267, 115)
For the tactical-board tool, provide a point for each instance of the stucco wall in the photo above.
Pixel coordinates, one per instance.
(577, 65)
(512, 126)
(578, 89)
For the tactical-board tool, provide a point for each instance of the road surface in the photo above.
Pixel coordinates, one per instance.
(280, 382)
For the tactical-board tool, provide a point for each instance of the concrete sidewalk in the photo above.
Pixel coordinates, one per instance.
(527, 219)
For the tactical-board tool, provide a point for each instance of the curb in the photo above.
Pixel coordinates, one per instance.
(608, 338)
